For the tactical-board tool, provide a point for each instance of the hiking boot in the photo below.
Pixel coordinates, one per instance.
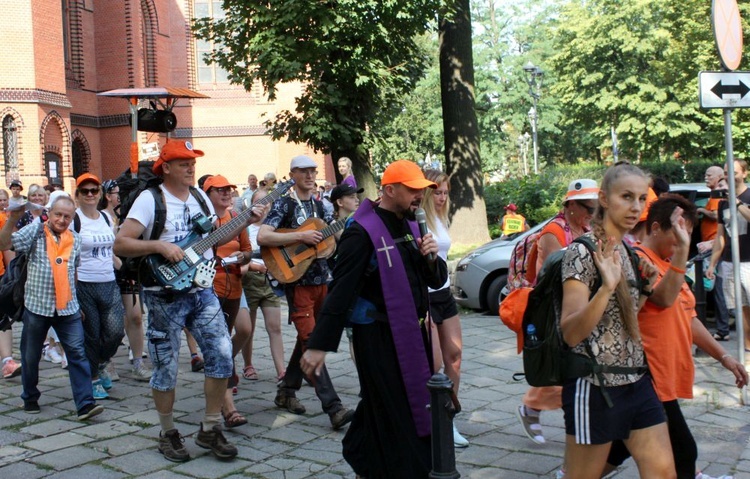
(11, 369)
(290, 403)
(531, 425)
(341, 418)
(89, 410)
(141, 373)
(98, 391)
(171, 446)
(196, 364)
(215, 440)
(31, 407)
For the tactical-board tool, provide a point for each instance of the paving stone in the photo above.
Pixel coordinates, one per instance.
(11, 454)
(49, 428)
(58, 441)
(89, 471)
(118, 446)
(139, 462)
(107, 429)
(23, 470)
(66, 458)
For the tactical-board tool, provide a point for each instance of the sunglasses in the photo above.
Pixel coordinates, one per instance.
(589, 209)
(88, 191)
(223, 190)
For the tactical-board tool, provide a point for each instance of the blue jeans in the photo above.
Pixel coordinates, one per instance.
(201, 314)
(69, 330)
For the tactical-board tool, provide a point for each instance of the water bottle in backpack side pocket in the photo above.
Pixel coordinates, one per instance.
(532, 340)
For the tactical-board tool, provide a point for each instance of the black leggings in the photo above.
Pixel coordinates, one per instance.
(684, 449)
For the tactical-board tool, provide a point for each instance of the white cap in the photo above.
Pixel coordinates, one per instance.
(54, 196)
(584, 189)
(302, 161)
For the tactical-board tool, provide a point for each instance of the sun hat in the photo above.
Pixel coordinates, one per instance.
(87, 177)
(583, 189)
(302, 161)
(216, 181)
(344, 190)
(407, 173)
(175, 150)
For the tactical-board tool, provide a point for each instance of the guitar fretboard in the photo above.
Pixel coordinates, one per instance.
(223, 233)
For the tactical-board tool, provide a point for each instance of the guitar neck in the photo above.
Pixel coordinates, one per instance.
(333, 228)
(222, 233)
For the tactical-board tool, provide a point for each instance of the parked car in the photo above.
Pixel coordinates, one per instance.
(480, 275)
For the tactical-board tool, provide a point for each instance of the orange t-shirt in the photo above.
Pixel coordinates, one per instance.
(709, 226)
(228, 281)
(668, 338)
(3, 220)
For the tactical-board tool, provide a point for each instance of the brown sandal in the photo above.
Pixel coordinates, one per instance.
(234, 419)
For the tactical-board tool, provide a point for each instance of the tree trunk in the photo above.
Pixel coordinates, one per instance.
(460, 129)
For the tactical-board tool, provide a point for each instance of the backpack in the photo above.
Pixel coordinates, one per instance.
(548, 361)
(522, 268)
(130, 189)
(77, 221)
(13, 286)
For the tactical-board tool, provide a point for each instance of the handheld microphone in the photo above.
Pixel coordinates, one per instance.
(421, 217)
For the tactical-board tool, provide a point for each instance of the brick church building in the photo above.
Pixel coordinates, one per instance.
(60, 53)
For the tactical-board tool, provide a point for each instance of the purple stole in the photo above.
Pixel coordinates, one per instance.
(402, 314)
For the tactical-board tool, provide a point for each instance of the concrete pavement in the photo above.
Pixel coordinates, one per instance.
(121, 442)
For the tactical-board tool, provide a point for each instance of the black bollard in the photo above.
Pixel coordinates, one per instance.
(442, 410)
(699, 290)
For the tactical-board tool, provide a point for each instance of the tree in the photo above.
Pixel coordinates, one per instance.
(352, 57)
(460, 127)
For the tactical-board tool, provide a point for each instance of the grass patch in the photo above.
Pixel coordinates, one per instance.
(458, 251)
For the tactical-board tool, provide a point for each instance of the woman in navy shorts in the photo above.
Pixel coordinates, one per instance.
(606, 319)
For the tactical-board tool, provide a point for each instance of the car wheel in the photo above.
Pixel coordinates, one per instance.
(493, 293)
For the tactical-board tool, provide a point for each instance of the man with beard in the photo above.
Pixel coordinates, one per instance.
(383, 259)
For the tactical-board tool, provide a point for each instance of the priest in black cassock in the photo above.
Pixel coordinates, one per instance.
(379, 287)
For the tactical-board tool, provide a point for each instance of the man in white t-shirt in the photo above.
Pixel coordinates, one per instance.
(169, 312)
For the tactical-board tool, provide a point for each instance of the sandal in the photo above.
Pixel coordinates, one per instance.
(721, 337)
(250, 373)
(234, 419)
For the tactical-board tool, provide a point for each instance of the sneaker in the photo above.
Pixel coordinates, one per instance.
(341, 418)
(98, 391)
(141, 373)
(144, 355)
(700, 475)
(52, 355)
(196, 364)
(11, 369)
(458, 439)
(31, 407)
(721, 337)
(531, 425)
(215, 440)
(105, 379)
(289, 403)
(89, 410)
(112, 371)
(171, 446)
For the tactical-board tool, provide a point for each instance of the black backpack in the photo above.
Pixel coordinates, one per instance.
(13, 286)
(548, 361)
(130, 189)
(77, 221)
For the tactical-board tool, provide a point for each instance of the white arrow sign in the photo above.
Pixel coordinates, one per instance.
(724, 89)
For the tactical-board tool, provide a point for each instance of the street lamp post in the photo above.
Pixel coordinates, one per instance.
(534, 76)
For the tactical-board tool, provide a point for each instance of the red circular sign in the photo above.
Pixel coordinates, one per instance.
(725, 17)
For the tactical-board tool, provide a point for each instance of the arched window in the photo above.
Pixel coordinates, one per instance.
(80, 160)
(10, 144)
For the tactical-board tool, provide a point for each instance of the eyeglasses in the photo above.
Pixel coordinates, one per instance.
(88, 191)
(223, 190)
(589, 209)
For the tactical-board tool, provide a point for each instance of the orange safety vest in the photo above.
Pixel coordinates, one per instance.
(513, 223)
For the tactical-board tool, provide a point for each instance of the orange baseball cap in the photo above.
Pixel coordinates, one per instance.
(175, 150)
(407, 173)
(87, 177)
(216, 181)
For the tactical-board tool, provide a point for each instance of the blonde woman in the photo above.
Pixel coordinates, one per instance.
(345, 169)
(443, 309)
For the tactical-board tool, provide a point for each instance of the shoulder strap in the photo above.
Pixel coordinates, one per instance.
(106, 218)
(160, 212)
(77, 223)
(199, 198)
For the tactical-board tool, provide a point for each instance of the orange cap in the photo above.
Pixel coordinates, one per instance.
(650, 198)
(175, 150)
(407, 173)
(87, 177)
(216, 181)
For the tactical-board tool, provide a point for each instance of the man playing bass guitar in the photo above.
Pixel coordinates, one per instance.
(305, 296)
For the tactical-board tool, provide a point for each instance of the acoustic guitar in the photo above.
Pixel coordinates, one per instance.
(194, 269)
(288, 263)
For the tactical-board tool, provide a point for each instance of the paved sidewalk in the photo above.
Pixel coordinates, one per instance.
(121, 442)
